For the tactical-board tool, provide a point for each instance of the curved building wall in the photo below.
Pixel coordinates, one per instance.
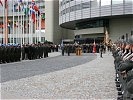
(116, 15)
(71, 10)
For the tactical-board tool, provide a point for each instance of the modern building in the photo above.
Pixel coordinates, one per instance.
(20, 26)
(91, 19)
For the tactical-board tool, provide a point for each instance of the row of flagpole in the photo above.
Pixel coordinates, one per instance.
(17, 35)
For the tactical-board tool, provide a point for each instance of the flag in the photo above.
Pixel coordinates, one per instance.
(26, 10)
(43, 16)
(94, 47)
(33, 9)
(36, 8)
(33, 16)
(1, 2)
(106, 36)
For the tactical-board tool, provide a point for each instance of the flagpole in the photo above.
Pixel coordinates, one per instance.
(13, 22)
(31, 31)
(21, 25)
(23, 29)
(35, 28)
(6, 33)
(40, 28)
(35, 35)
(18, 25)
(27, 22)
(3, 22)
(29, 27)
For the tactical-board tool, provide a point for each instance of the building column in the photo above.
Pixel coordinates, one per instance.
(52, 28)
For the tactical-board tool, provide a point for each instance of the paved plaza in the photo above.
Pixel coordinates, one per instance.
(60, 77)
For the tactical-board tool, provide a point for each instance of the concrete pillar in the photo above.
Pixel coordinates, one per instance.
(52, 29)
(49, 18)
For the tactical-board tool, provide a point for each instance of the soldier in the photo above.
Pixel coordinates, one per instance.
(124, 67)
(63, 49)
(101, 50)
(68, 49)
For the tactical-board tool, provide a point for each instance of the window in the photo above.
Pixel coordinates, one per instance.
(72, 8)
(92, 24)
(78, 7)
(95, 3)
(63, 11)
(105, 2)
(67, 1)
(117, 1)
(85, 5)
(129, 1)
(67, 10)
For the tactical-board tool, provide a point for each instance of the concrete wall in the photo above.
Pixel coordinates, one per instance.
(67, 34)
(119, 27)
(56, 27)
(49, 30)
(53, 30)
(89, 31)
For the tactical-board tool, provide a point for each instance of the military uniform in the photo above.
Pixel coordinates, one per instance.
(124, 65)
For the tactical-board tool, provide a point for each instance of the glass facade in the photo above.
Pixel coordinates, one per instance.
(95, 3)
(105, 2)
(93, 24)
(92, 4)
(117, 1)
(86, 5)
(128, 1)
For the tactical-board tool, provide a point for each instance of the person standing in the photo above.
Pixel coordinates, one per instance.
(68, 49)
(62, 48)
(101, 50)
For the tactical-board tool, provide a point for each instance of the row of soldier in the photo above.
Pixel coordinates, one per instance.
(123, 54)
(14, 53)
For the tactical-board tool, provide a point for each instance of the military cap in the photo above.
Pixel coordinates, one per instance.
(126, 66)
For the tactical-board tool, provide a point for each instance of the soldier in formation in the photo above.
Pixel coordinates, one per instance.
(35, 51)
(123, 54)
(14, 53)
(10, 53)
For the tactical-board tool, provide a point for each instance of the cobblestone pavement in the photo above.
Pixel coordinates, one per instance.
(67, 77)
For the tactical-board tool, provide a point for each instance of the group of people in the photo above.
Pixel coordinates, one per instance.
(14, 53)
(86, 48)
(123, 55)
